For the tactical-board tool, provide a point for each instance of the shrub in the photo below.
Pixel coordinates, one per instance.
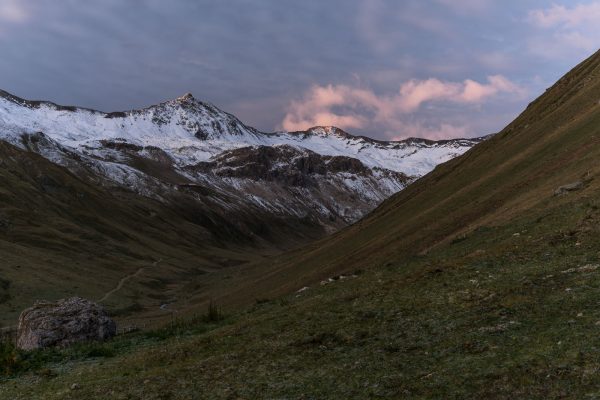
(213, 313)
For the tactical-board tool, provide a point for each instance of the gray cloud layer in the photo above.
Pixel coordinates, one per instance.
(263, 60)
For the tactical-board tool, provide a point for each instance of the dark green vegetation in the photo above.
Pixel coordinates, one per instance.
(479, 282)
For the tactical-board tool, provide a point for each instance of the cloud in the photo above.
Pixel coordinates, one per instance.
(467, 6)
(565, 31)
(496, 60)
(13, 11)
(378, 22)
(350, 107)
(559, 15)
(369, 24)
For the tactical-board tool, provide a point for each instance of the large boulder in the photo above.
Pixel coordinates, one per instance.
(63, 323)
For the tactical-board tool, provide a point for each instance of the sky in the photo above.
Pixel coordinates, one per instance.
(387, 69)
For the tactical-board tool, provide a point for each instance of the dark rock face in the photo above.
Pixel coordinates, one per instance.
(63, 323)
(284, 164)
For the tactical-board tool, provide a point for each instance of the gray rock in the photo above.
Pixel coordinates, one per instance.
(63, 323)
(571, 187)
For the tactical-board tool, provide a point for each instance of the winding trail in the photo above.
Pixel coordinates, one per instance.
(125, 279)
(4, 329)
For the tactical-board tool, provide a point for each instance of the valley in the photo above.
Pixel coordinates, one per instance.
(360, 200)
(494, 300)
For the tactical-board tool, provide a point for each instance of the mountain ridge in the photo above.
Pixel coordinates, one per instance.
(188, 98)
(176, 135)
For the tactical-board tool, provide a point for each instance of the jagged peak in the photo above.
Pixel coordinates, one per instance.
(186, 97)
(327, 129)
(335, 131)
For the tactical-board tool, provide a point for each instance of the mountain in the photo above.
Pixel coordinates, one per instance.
(480, 281)
(323, 174)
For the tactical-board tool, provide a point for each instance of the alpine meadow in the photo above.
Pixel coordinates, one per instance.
(402, 200)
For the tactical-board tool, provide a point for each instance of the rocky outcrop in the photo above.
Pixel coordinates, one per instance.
(288, 165)
(63, 323)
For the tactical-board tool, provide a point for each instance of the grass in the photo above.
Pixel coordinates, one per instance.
(447, 325)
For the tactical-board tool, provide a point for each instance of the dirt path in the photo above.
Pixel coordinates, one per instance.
(125, 279)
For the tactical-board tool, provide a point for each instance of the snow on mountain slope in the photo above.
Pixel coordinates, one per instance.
(323, 172)
(192, 131)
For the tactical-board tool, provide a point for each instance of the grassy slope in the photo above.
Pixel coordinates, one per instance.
(518, 319)
(484, 285)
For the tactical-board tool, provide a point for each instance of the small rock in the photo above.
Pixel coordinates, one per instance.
(75, 386)
(585, 268)
(571, 187)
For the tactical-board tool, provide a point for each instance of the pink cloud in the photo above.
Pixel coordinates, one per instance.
(414, 93)
(354, 108)
(561, 15)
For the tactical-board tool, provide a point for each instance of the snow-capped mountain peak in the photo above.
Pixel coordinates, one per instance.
(346, 175)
